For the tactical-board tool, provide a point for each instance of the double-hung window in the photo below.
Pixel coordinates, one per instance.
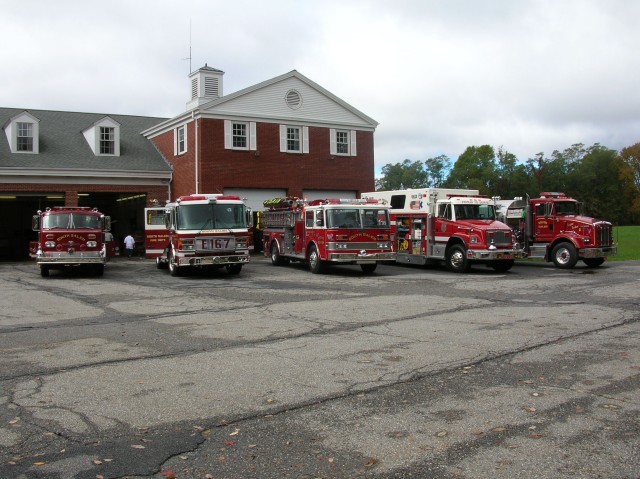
(294, 139)
(181, 140)
(342, 142)
(107, 140)
(24, 137)
(240, 135)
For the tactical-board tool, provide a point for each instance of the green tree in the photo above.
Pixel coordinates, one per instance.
(631, 174)
(408, 174)
(475, 169)
(437, 169)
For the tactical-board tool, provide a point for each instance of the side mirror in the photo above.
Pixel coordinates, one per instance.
(35, 222)
(548, 208)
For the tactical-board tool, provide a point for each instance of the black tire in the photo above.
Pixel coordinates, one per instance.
(316, 265)
(276, 259)
(99, 269)
(44, 271)
(369, 268)
(593, 262)
(502, 266)
(456, 259)
(161, 264)
(234, 268)
(564, 255)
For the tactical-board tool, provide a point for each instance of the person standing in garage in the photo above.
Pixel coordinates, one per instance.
(129, 245)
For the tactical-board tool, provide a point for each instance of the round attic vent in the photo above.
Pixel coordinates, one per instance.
(293, 99)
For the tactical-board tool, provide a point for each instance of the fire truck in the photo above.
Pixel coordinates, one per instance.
(71, 236)
(457, 226)
(327, 231)
(199, 230)
(552, 227)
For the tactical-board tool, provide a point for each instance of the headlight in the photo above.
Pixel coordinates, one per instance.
(50, 244)
(186, 244)
(473, 239)
(384, 246)
(91, 244)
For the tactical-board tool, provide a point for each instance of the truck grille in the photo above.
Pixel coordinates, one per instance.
(604, 235)
(499, 237)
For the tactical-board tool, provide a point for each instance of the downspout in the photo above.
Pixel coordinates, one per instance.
(196, 152)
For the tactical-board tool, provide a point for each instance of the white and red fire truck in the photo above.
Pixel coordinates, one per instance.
(199, 230)
(71, 236)
(456, 226)
(328, 231)
(552, 227)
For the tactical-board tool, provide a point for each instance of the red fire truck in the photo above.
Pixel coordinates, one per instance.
(552, 227)
(329, 231)
(199, 230)
(456, 226)
(71, 236)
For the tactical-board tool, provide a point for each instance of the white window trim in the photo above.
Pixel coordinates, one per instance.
(176, 140)
(11, 132)
(92, 135)
(333, 142)
(252, 141)
(304, 141)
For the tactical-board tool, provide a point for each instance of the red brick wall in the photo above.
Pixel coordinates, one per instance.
(220, 168)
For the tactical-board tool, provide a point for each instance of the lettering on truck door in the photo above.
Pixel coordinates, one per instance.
(543, 226)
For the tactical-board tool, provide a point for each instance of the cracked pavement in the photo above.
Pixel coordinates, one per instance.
(410, 372)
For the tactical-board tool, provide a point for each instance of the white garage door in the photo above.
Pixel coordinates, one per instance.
(255, 196)
(322, 194)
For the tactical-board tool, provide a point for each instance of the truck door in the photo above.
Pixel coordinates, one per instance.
(542, 223)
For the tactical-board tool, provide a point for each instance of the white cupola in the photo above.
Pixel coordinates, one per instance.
(206, 85)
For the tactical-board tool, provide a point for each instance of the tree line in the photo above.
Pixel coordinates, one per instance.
(606, 181)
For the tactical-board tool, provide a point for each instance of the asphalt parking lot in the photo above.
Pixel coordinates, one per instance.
(277, 373)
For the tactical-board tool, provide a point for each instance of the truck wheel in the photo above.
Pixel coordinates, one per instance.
(593, 262)
(173, 267)
(99, 269)
(44, 271)
(276, 259)
(502, 266)
(564, 255)
(456, 258)
(234, 268)
(161, 263)
(368, 268)
(315, 263)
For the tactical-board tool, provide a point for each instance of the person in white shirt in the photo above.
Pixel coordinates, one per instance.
(129, 245)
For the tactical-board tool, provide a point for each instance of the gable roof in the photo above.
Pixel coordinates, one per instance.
(266, 101)
(64, 147)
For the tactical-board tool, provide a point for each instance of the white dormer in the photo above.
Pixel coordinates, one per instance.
(206, 85)
(103, 137)
(23, 133)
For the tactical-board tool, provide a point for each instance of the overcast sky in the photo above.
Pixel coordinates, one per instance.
(438, 75)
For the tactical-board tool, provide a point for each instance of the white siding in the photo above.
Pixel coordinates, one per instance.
(270, 102)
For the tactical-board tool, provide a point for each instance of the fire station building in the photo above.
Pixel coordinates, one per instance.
(286, 136)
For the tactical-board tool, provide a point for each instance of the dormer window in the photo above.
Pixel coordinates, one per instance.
(22, 133)
(24, 138)
(103, 137)
(107, 140)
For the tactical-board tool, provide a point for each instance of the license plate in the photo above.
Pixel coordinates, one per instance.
(216, 244)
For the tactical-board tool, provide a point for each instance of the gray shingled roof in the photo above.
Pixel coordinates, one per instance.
(63, 146)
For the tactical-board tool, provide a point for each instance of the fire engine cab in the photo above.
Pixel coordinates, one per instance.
(327, 231)
(71, 236)
(552, 227)
(199, 230)
(456, 226)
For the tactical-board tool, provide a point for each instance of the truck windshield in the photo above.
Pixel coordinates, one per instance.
(475, 212)
(357, 218)
(566, 208)
(198, 217)
(71, 221)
